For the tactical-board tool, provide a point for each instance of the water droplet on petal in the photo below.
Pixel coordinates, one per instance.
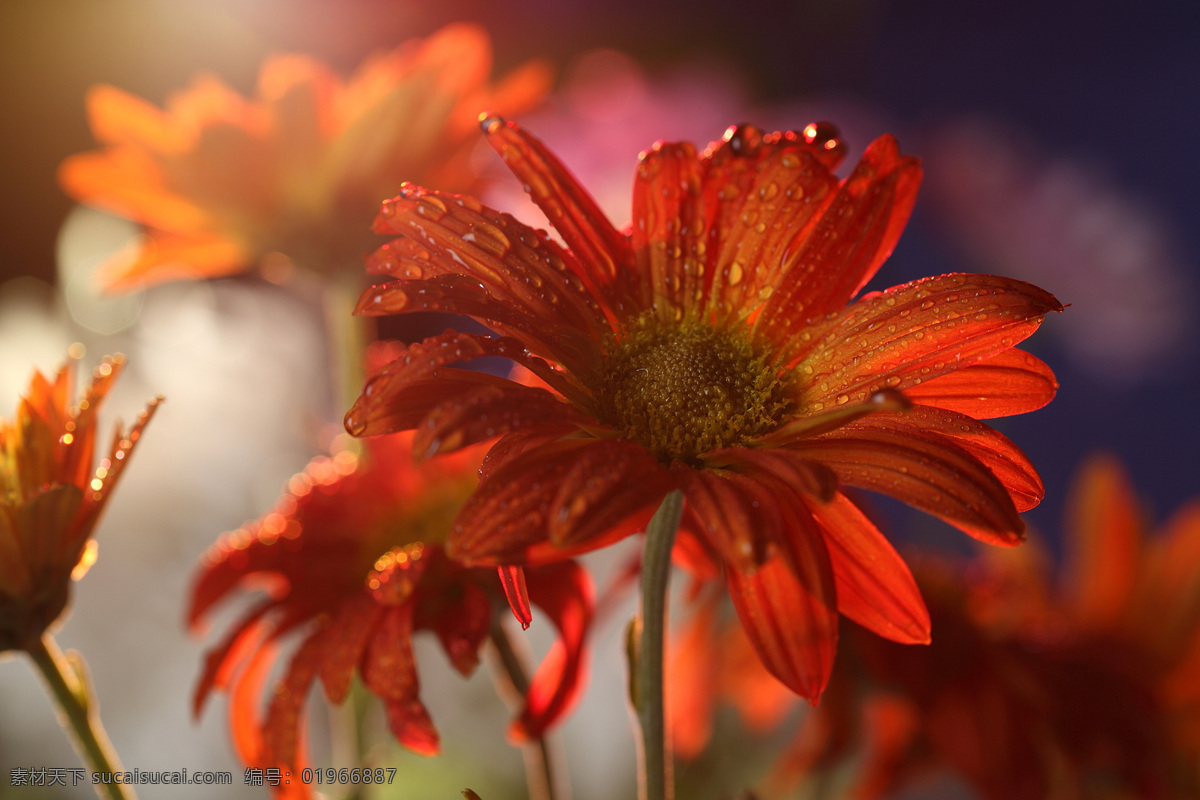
(490, 123)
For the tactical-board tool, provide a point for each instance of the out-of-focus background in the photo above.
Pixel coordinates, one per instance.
(1060, 148)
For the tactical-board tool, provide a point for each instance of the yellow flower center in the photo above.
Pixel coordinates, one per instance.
(687, 389)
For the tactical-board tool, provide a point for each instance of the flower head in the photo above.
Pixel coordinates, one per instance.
(51, 498)
(220, 181)
(353, 555)
(1037, 684)
(711, 349)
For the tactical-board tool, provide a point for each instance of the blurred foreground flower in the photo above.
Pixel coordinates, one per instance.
(1085, 686)
(51, 498)
(222, 182)
(353, 553)
(710, 349)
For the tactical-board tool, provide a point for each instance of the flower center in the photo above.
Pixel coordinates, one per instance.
(688, 389)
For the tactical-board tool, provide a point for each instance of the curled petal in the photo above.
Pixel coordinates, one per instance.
(923, 469)
(1011, 382)
(874, 586)
(788, 608)
(517, 593)
(913, 333)
(564, 592)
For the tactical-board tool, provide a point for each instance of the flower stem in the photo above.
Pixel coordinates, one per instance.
(656, 778)
(541, 771)
(68, 684)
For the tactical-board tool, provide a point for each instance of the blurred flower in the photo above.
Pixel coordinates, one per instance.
(50, 497)
(1088, 686)
(1057, 223)
(710, 350)
(353, 553)
(223, 183)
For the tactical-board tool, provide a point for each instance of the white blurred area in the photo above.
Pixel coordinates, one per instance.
(244, 368)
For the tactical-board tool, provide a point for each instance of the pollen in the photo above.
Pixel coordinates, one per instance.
(688, 388)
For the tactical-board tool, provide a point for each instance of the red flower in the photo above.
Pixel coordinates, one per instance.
(711, 349)
(353, 553)
(50, 497)
(1033, 687)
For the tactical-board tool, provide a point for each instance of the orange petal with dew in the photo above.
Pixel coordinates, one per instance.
(1008, 383)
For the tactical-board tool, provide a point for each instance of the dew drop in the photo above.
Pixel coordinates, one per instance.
(735, 274)
(490, 123)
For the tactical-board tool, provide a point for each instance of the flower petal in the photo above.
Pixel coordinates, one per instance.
(281, 730)
(790, 468)
(517, 593)
(921, 468)
(564, 592)
(1104, 535)
(1011, 382)
(343, 640)
(570, 209)
(738, 516)
(788, 608)
(874, 586)
(670, 229)
(913, 333)
(224, 658)
(515, 263)
(410, 723)
(853, 237)
(461, 626)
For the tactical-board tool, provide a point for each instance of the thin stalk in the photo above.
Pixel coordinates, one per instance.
(656, 778)
(542, 774)
(77, 712)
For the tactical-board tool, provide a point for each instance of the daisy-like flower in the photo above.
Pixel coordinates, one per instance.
(1083, 682)
(711, 349)
(51, 497)
(219, 181)
(353, 555)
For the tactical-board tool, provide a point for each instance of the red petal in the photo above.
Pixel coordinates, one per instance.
(564, 592)
(670, 229)
(343, 640)
(281, 732)
(387, 667)
(921, 468)
(515, 263)
(246, 693)
(608, 481)
(517, 594)
(1104, 540)
(1012, 382)
(913, 333)
(691, 683)
(788, 609)
(225, 658)
(874, 585)
(461, 626)
(407, 389)
(763, 220)
(853, 237)
(790, 468)
(570, 209)
(738, 516)
(410, 723)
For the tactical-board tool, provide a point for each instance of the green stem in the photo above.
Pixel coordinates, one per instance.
(540, 768)
(657, 780)
(77, 711)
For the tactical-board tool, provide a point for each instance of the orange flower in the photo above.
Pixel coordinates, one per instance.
(353, 553)
(1088, 686)
(711, 349)
(220, 181)
(50, 498)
